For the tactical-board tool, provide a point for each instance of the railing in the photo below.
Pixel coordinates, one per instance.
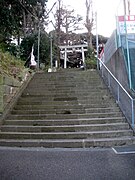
(123, 98)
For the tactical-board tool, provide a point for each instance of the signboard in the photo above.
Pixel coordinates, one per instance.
(126, 24)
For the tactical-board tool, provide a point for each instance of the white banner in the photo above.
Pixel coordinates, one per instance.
(32, 60)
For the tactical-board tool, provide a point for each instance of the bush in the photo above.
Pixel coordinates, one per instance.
(10, 65)
(90, 61)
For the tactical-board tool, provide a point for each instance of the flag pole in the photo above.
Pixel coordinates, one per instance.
(38, 59)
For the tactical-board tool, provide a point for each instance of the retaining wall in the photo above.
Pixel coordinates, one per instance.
(8, 88)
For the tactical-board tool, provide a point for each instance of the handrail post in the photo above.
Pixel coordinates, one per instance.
(118, 93)
(102, 71)
(109, 80)
(133, 113)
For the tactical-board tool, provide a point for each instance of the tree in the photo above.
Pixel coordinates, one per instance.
(70, 22)
(10, 21)
(33, 12)
(58, 29)
(19, 17)
(89, 21)
(67, 21)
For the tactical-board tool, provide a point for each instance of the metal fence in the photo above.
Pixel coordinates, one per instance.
(123, 98)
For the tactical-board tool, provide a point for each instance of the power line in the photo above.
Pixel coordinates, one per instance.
(51, 8)
(27, 10)
(33, 14)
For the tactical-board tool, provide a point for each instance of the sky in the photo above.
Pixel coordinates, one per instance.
(106, 12)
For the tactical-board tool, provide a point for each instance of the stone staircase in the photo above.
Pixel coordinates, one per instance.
(67, 109)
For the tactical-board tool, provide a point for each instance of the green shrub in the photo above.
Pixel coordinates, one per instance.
(10, 65)
(90, 61)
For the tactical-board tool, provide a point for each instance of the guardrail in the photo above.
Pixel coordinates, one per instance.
(123, 98)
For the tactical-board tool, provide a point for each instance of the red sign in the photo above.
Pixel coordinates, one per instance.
(127, 18)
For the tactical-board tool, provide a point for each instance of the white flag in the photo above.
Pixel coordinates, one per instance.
(32, 60)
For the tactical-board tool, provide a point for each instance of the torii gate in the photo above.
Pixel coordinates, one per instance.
(78, 48)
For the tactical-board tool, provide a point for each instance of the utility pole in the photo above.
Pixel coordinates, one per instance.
(59, 24)
(97, 40)
(39, 32)
(24, 20)
(128, 7)
(51, 50)
(124, 3)
(38, 58)
(127, 45)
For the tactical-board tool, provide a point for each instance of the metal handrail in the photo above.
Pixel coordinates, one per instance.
(132, 99)
(132, 41)
(115, 79)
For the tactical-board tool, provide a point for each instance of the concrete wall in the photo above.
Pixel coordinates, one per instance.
(110, 47)
(117, 66)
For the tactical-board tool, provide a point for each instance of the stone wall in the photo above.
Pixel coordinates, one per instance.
(1, 93)
(8, 88)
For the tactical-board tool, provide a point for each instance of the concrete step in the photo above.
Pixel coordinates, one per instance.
(65, 97)
(68, 143)
(67, 81)
(102, 110)
(47, 102)
(67, 100)
(68, 85)
(56, 122)
(47, 107)
(82, 87)
(50, 111)
(62, 92)
(63, 110)
(64, 116)
(66, 128)
(66, 135)
(59, 94)
(59, 105)
(97, 103)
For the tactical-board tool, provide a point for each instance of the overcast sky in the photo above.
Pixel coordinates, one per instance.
(106, 11)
